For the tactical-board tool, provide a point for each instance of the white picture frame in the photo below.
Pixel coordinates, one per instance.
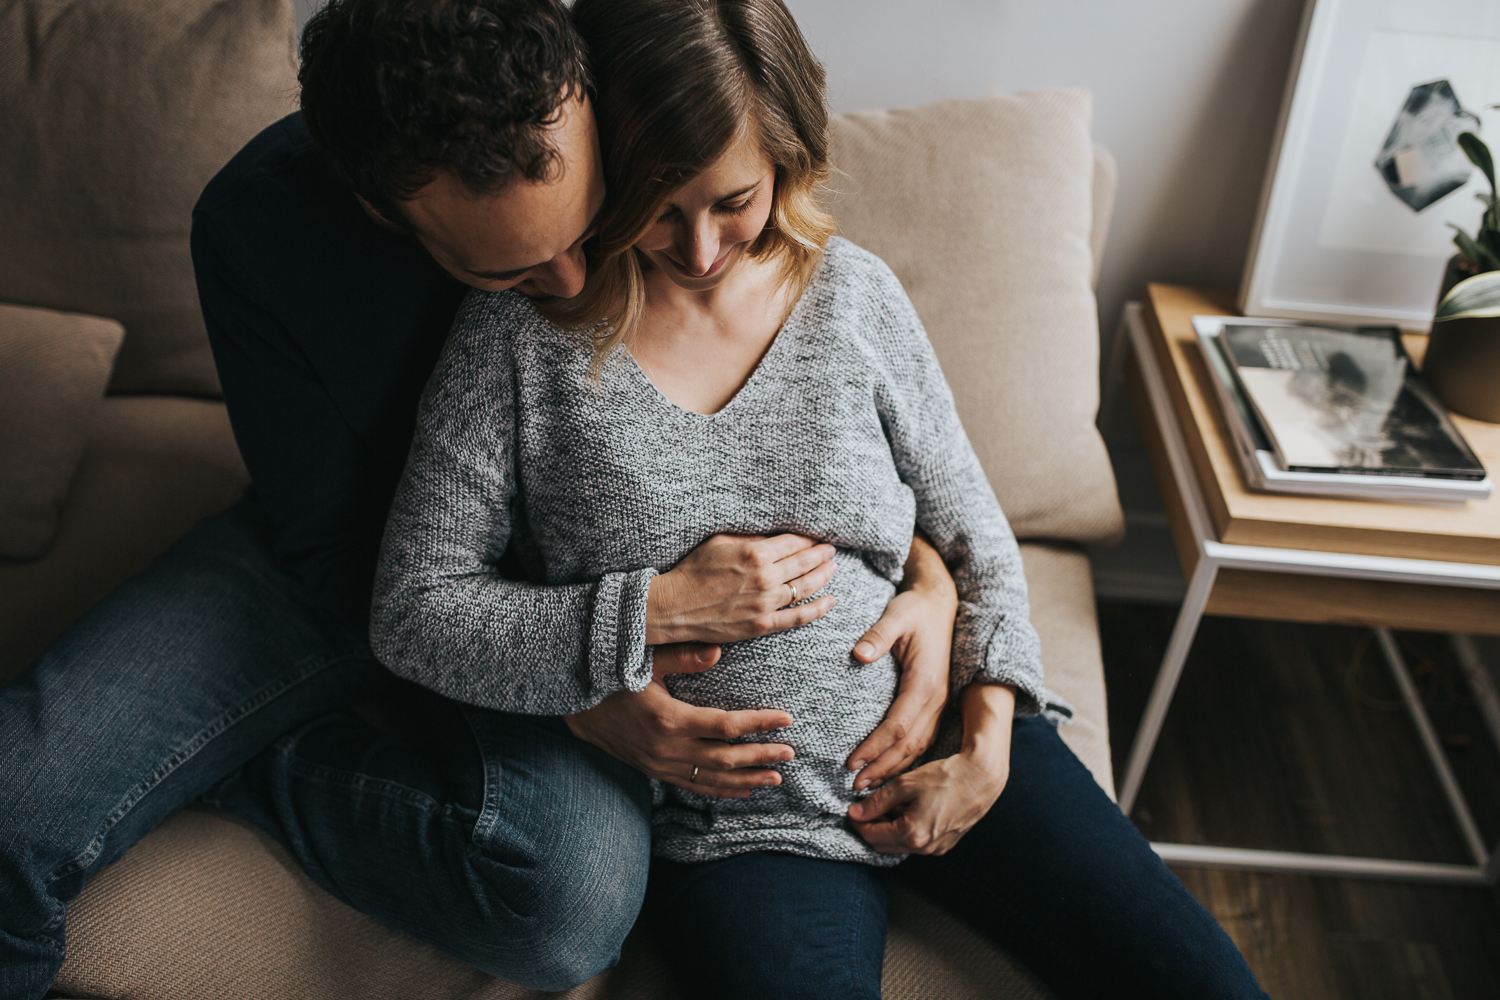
(1331, 241)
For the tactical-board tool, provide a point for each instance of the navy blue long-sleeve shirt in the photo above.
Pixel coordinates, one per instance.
(324, 328)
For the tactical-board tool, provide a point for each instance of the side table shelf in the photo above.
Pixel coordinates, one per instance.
(1298, 580)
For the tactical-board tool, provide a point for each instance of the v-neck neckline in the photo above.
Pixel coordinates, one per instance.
(772, 352)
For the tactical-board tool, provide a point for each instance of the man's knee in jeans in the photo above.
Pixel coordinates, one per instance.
(573, 927)
(565, 868)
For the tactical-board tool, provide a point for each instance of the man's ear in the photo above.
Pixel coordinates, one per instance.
(379, 218)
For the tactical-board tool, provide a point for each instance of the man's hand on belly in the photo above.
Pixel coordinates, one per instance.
(680, 743)
(918, 628)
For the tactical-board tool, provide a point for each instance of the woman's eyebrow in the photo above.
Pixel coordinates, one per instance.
(741, 191)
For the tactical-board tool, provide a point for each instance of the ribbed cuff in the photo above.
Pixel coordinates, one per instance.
(619, 658)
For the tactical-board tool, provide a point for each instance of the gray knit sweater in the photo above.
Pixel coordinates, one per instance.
(537, 505)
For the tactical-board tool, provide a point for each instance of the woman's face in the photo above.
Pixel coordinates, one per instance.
(702, 233)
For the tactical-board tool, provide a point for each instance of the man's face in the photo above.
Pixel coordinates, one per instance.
(527, 236)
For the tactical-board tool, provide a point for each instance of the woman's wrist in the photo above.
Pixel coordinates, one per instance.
(988, 710)
(927, 574)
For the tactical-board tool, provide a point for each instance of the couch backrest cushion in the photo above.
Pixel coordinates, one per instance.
(113, 115)
(53, 369)
(985, 211)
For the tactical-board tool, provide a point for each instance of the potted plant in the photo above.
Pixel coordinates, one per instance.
(1481, 252)
(1463, 350)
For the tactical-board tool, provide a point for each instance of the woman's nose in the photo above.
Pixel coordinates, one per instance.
(702, 247)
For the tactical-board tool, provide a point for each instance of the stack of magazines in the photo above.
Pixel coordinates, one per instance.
(1335, 411)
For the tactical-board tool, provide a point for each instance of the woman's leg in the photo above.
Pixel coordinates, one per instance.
(1059, 877)
(767, 926)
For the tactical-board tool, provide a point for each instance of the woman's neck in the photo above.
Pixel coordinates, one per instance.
(698, 347)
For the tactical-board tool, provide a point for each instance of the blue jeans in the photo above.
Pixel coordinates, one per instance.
(1054, 874)
(499, 839)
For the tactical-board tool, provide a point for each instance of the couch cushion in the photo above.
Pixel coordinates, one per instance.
(112, 118)
(1060, 587)
(152, 468)
(984, 209)
(209, 906)
(53, 369)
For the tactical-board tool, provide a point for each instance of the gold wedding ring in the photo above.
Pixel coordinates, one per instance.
(693, 778)
(794, 592)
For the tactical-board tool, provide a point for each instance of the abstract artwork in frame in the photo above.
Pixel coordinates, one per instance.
(1366, 180)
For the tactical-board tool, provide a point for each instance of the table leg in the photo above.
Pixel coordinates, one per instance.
(1166, 680)
(1461, 814)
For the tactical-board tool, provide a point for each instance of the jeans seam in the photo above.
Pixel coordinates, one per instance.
(489, 808)
(185, 753)
(365, 782)
(856, 916)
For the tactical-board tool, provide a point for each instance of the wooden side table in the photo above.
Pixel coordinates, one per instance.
(1306, 559)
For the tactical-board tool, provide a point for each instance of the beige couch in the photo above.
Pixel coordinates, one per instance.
(113, 113)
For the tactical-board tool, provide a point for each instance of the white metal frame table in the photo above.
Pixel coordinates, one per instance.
(1208, 561)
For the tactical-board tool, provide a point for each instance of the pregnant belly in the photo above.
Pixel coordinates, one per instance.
(835, 700)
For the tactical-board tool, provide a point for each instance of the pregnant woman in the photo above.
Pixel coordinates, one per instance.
(731, 368)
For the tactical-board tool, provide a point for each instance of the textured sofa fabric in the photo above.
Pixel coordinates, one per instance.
(53, 369)
(113, 115)
(241, 921)
(984, 209)
(208, 906)
(153, 466)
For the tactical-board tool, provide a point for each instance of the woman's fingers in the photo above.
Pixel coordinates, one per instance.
(800, 614)
(811, 582)
(802, 562)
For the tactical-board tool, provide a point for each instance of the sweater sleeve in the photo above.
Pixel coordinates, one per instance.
(993, 639)
(443, 615)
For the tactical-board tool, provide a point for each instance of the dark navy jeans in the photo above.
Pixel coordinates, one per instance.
(499, 839)
(1054, 874)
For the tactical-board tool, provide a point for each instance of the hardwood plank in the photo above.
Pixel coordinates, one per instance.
(1292, 736)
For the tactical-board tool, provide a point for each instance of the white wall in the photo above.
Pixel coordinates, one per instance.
(1186, 94)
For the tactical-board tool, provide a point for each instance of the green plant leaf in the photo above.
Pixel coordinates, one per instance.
(1472, 297)
(1478, 154)
(1477, 255)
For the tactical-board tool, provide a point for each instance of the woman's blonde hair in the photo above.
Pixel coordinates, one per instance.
(679, 82)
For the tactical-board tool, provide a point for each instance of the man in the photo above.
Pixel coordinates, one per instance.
(443, 144)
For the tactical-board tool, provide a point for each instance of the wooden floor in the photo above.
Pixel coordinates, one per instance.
(1292, 737)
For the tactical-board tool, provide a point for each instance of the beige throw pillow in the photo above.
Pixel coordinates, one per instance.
(53, 370)
(113, 116)
(984, 209)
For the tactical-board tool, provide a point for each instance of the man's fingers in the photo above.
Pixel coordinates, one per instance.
(716, 724)
(882, 801)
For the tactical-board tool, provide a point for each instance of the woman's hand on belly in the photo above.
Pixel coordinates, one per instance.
(682, 744)
(918, 628)
(927, 811)
(735, 587)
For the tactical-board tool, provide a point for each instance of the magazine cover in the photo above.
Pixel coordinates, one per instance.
(1258, 463)
(1345, 400)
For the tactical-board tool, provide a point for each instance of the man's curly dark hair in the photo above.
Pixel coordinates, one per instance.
(395, 90)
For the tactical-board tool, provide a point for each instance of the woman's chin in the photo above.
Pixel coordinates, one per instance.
(707, 281)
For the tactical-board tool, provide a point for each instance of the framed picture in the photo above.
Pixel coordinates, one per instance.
(1366, 174)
